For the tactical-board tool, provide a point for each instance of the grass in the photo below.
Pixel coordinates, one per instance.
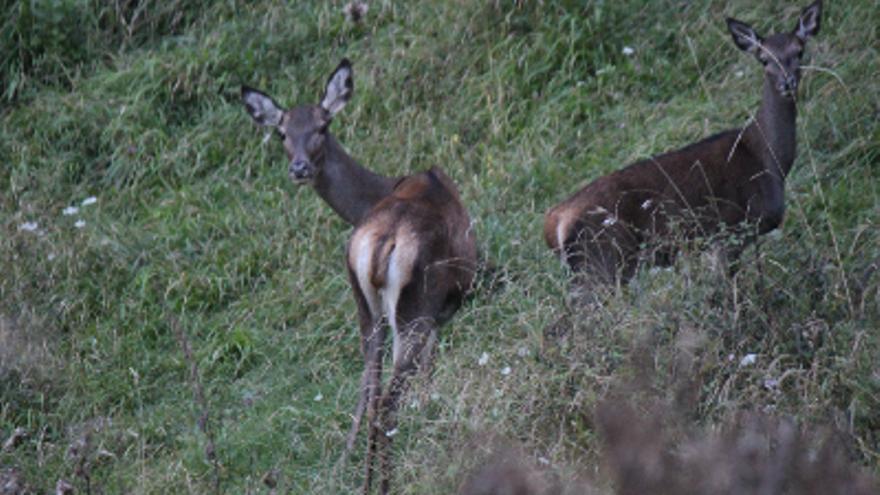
(196, 223)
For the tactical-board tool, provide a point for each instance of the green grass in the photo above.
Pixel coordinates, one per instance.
(196, 222)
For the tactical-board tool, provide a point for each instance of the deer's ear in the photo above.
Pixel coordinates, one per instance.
(261, 107)
(809, 21)
(745, 38)
(340, 87)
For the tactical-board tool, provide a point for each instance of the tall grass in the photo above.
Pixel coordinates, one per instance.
(136, 104)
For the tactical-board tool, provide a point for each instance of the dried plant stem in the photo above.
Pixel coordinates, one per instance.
(201, 403)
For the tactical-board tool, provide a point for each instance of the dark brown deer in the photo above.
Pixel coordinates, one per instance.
(735, 179)
(411, 257)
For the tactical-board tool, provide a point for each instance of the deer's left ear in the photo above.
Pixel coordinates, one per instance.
(809, 21)
(340, 87)
(745, 38)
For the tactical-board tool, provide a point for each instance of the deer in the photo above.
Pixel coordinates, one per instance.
(411, 256)
(733, 180)
(315, 157)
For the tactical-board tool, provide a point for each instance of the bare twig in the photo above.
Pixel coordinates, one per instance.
(199, 397)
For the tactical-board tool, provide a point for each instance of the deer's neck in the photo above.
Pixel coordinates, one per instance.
(772, 135)
(350, 189)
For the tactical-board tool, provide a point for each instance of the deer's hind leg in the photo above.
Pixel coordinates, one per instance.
(605, 252)
(372, 340)
(415, 354)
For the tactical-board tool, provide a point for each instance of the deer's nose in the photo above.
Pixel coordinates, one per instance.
(789, 85)
(299, 170)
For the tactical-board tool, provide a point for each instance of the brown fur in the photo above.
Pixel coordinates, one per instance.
(410, 261)
(734, 179)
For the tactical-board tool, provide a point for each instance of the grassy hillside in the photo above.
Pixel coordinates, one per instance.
(197, 237)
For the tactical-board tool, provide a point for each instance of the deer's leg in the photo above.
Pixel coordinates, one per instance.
(609, 253)
(372, 339)
(416, 351)
(373, 387)
(371, 342)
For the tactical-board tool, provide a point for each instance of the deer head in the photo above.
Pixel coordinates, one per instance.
(780, 53)
(303, 129)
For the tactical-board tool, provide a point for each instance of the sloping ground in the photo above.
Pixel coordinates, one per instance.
(195, 234)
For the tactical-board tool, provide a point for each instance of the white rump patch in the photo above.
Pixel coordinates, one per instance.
(362, 250)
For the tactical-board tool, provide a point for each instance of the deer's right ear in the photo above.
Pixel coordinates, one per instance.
(744, 36)
(261, 107)
(340, 87)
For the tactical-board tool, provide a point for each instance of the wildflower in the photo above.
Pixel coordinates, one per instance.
(771, 383)
(391, 433)
(50, 256)
(543, 460)
(89, 201)
(647, 204)
(739, 73)
(484, 358)
(522, 351)
(80, 224)
(29, 226)
(319, 397)
(627, 50)
(608, 222)
(506, 370)
(748, 360)
(70, 210)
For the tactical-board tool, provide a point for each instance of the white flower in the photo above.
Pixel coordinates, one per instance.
(771, 383)
(739, 73)
(608, 222)
(647, 204)
(544, 460)
(522, 351)
(89, 201)
(506, 370)
(80, 224)
(435, 396)
(50, 256)
(748, 359)
(627, 50)
(484, 358)
(70, 210)
(391, 433)
(29, 226)
(597, 210)
(319, 397)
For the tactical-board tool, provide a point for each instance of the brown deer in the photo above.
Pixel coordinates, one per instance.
(733, 179)
(411, 257)
(315, 157)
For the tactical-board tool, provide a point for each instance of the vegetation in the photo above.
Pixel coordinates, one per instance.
(197, 237)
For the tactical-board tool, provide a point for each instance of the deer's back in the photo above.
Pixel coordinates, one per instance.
(707, 180)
